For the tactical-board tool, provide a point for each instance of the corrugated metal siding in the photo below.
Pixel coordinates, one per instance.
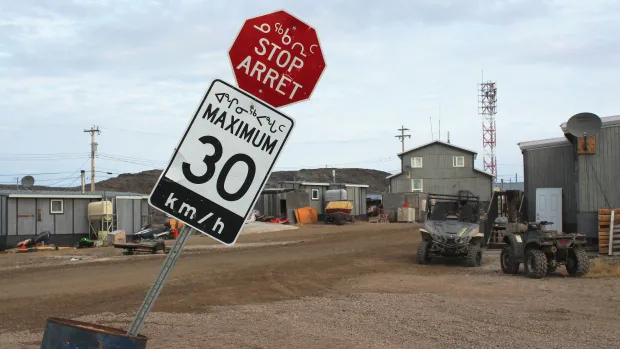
(400, 184)
(137, 215)
(12, 216)
(478, 183)
(47, 219)
(605, 165)
(351, 197)
(363, 206)
(26, 225)
(3, 218)
(552, 167)
(80, 216)
(124, 215)
(63, 223)
(316, 204)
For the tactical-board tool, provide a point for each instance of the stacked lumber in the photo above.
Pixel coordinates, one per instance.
(608, 230)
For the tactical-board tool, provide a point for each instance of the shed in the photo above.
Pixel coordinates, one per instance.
(356, 193)
(281, 202)
(569, 186)
(64, 214)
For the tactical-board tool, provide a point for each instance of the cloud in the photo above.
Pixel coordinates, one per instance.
(138, 69)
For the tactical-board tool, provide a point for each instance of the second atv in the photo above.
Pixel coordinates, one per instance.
(543, 250)
(452, 229)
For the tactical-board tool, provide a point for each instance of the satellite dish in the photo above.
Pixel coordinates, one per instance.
(584, 124)
(27, 182)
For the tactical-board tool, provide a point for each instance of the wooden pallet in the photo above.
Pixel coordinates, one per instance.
(609, 230)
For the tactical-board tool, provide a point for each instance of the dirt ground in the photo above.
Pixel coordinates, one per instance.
(355, 286)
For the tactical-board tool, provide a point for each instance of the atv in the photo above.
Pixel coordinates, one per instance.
(543, 250)
(451, 229)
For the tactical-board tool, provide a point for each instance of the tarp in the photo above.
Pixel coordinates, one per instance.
(306, 215)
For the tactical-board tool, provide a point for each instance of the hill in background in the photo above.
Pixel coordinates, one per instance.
(143, 182)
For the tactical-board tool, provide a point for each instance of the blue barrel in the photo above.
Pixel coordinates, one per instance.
(70, 334)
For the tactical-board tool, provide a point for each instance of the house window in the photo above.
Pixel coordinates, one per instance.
(458, 161)
(315, 194)
(416, 185)
(56, 206)
(416, 162)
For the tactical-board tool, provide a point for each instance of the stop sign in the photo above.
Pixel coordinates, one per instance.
(277, 58)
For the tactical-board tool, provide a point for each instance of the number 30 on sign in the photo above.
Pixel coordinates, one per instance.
(222, 162)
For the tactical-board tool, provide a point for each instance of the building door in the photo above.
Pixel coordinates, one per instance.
(549, 206)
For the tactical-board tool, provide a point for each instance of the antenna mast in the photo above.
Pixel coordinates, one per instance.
(488, 108)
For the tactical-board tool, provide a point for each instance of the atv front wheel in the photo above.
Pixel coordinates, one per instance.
(509, 265)
(474, 255)
(577, 263)
(422, 256)
(535, 264)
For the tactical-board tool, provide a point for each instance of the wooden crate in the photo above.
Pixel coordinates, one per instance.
(605, 233)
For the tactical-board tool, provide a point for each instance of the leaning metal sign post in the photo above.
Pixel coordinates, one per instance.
(233, 141)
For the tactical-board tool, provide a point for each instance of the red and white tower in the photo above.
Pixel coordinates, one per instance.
(488, 108)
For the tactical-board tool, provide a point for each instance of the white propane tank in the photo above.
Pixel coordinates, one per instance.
(100, 211)
(335, 195)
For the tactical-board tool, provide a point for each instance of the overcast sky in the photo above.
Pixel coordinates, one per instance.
(68, 65)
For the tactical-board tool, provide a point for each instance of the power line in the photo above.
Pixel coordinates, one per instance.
(44, 158)
(72, 175)
(34, 174)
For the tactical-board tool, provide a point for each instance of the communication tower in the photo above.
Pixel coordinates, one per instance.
(487, 100)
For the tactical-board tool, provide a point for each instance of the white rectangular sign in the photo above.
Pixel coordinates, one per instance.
(222, 162)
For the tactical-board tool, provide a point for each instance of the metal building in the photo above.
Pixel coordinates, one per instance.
(281, 202)
(566, 187)
(64, 214)
(356, 193)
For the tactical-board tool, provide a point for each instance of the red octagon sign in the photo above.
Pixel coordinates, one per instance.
(277, 58)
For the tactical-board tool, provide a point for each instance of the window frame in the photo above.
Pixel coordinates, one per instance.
(314, 190)
(455, 161)
(413, 189)
(413, 158)
(62, 206)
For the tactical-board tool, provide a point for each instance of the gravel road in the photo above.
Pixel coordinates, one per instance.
(355, 286)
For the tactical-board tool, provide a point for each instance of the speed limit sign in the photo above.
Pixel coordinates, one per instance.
(222, 162)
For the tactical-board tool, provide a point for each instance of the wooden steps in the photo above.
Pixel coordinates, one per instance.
(609, 230)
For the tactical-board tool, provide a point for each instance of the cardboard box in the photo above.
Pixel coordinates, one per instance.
(117, 237)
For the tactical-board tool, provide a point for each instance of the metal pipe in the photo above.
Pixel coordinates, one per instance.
(83, 181)
(160, 280)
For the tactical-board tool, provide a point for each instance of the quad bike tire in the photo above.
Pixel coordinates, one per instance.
(422, 256)
(578, 263)
(535, 263)
(474, 256)
(507, 260)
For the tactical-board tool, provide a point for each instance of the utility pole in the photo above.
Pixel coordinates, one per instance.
(93, 150)
(402, 136)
